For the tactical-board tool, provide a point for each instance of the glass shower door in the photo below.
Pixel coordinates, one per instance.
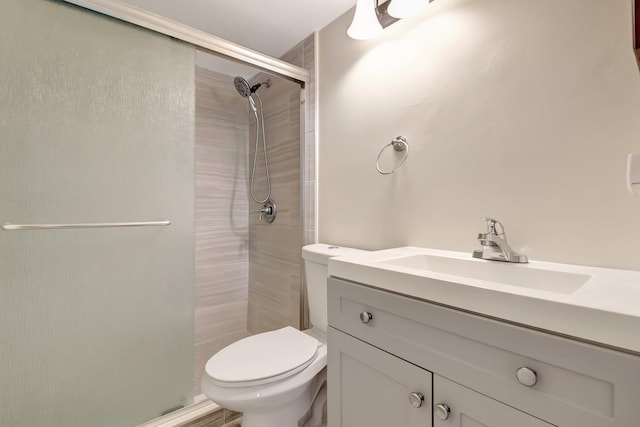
(96, 126)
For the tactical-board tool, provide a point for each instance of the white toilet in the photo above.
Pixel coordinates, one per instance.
(274, 377)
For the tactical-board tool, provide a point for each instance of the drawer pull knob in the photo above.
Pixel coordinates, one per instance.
(527, 376)
(442, 411)
(365, 317)
(416, 399)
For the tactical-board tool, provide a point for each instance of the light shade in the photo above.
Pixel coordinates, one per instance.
(365, 23)
(405, 8)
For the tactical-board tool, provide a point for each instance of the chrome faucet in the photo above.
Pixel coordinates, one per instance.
(495, 246)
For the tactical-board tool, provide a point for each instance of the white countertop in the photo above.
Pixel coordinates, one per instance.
(605, 309)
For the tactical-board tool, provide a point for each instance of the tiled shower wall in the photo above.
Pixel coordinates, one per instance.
(274, 255)
(222, 232)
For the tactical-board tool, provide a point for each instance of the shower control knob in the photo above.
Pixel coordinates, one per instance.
(265, 211)
(527, 376)
(416, 399)
(268, 211)
(365, 317)
(442, 411)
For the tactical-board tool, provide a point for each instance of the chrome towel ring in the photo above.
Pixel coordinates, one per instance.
(398, 144)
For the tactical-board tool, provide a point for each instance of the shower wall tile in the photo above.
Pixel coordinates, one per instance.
(309, 52)
(274, 249)
(309, 64)
(221, 211)
(218, 326)
(219, 284)
(275, 263)
(295, 55)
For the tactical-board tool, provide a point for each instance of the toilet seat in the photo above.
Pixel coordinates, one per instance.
(262, 358)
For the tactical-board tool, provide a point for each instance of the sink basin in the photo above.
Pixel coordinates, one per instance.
(492, 271)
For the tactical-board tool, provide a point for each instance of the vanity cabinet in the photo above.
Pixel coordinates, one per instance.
(487, 372)
(370, 387)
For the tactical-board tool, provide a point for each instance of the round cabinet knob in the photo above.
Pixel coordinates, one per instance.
(442, 411)
(527, 376)
(365, 317)
(416, 399)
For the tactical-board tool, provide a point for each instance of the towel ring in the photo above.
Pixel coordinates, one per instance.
(398, 144)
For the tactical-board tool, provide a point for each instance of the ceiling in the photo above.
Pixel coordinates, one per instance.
(271, 27)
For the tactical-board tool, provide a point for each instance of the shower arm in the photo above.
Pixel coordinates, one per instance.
(255, 87)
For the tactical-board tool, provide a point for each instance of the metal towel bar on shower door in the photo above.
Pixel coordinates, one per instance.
(92, 225)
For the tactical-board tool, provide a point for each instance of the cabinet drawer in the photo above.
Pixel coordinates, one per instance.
(577, 384)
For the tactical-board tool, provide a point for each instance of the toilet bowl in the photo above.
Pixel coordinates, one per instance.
(273, 378)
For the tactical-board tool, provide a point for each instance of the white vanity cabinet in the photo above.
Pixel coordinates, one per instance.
(384, 346)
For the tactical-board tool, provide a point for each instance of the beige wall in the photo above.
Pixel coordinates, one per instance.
(520, 110)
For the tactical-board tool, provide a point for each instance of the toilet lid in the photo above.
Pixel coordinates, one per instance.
(262, 358)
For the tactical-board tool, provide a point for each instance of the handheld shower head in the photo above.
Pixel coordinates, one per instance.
(242, 86)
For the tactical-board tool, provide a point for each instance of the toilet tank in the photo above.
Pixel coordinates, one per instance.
(316, 265)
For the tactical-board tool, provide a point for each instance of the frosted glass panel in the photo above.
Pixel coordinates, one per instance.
(96, 125)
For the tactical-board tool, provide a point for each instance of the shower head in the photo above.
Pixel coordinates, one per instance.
(243, 88)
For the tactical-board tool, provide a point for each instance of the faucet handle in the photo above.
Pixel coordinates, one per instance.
(494, 227)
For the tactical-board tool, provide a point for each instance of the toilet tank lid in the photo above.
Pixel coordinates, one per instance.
(321, 252)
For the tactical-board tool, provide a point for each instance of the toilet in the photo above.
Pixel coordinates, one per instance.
(274, 377)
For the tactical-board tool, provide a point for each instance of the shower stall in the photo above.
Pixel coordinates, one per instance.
(248, 270)
(130, 248)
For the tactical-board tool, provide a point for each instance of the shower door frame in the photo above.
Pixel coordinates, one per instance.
(200, 39)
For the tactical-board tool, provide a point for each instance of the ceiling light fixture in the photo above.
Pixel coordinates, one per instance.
(365, 23)
(371, 18)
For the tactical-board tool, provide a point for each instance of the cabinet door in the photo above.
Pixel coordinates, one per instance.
(469, 408)
(369, 387)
